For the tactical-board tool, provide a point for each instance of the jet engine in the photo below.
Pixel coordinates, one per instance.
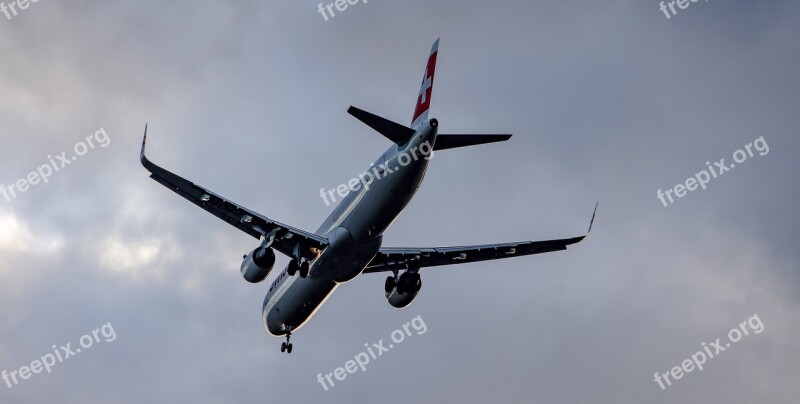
(257, 264)
(401, 292)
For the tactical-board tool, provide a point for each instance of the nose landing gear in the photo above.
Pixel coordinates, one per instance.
(287, 346)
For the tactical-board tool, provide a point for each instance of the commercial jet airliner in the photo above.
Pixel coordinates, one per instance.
(349, 242)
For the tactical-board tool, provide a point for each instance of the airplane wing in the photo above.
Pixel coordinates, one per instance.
(286, 239)
(389, 259)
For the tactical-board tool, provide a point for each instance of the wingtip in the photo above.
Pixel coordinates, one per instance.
(144, 142)
(591, 222)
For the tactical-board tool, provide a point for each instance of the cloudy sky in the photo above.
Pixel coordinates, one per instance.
(608, 101)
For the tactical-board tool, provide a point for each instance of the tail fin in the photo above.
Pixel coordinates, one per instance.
(426, 90)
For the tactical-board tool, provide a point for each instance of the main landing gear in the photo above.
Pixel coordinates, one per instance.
(287, 346)
(294, 268)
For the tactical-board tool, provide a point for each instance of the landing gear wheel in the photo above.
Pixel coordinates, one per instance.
(292, 269)
(304, 269)
(287, 346)
(390, 284)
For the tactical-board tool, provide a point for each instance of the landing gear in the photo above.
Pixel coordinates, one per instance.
(287, 346)
(292, 268)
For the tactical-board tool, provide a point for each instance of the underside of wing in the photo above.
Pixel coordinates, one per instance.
(288, 240)
(390, 259)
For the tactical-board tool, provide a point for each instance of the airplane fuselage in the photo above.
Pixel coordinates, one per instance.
(355, 233)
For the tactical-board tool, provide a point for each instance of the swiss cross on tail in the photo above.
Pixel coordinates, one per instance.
(426, 89)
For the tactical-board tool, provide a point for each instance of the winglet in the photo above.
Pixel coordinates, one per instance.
(142, 158)
(592, 221)
(144, 140)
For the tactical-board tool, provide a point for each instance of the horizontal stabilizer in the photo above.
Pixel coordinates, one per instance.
(395, 132)
(452, 141)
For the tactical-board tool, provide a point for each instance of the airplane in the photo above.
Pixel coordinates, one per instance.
(349, 241)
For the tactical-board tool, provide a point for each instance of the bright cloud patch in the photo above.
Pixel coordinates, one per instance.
(16, 236)
(138, 259)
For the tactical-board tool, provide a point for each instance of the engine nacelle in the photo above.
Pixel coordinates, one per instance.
(400, 300)
(403, 292)
(257, 265)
